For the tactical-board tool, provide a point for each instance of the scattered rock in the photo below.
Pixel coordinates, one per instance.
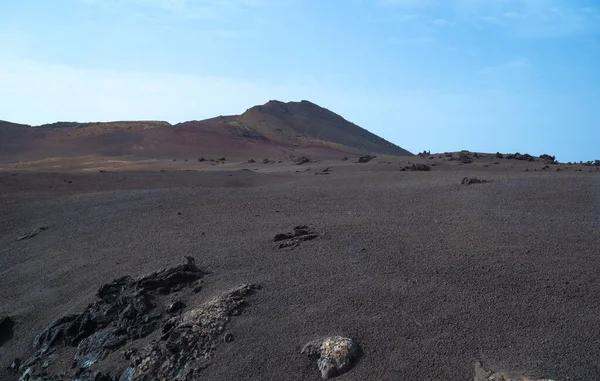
(464, 158)
(344, 158)
(267, 161)
(228, 338)
(302, 160)
(416, 168)
(518, 156)
(6, 329)
(472, 180)
(251, 161)
(32, 233)
(326, 171)
(548, 159)
(336, 355)
(365, 158)
(201, 159)
(303, 170)
(481, 374)
(293, 239)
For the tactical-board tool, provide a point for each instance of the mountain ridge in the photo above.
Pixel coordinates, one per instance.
(273, 129)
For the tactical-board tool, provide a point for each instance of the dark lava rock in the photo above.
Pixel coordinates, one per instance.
(344, 158)
(251, 161)
(302, 160)
(125, 311)
(6, 329)
(32, 233)
(14, 366)
(464, 158)
(365, 158)
(472, 180)
(518, 156)
(201, 159)
(548, 159)
(417, 168)
(267, 161)
(293, 239)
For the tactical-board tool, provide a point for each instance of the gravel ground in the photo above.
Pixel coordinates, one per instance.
(429, 276)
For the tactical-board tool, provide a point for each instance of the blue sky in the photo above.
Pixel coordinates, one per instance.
(440, 75)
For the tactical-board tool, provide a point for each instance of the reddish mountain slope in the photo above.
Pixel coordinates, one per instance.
(274, 130)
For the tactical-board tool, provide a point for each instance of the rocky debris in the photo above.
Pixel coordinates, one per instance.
(32, 233)
(548, 159)
(252, 161)
(292, 239)
(127, 309)
(302, 160)
(464, 158)
(344, 158)
(472, 180)
(303, 170)
(201, 159)
(189, 340)
(481, 374)
(326, 171)
(6, 329)
(267, 161)
(365, 158)
(499, 155)
(416, 168)
(518, 156)
(336, 355)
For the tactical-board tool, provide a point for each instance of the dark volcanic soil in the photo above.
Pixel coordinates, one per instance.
(427, 275)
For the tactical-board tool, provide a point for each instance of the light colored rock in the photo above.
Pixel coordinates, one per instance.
(337, 355)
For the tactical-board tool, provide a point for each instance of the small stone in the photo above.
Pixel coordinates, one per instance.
(228, 337)
(175, 306)
(14, 366)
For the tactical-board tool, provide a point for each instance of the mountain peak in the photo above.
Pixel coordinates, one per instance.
(306, 122)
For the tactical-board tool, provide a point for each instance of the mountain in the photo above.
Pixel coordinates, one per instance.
(272, 130)
(303, 123)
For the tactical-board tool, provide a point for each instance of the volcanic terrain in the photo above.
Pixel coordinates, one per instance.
(281, 226)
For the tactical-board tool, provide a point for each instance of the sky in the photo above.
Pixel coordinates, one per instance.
(436, 75)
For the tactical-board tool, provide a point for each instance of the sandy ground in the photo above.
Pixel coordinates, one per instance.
(427, 275)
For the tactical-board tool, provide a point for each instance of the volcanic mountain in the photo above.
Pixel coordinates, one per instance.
(275, 129)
